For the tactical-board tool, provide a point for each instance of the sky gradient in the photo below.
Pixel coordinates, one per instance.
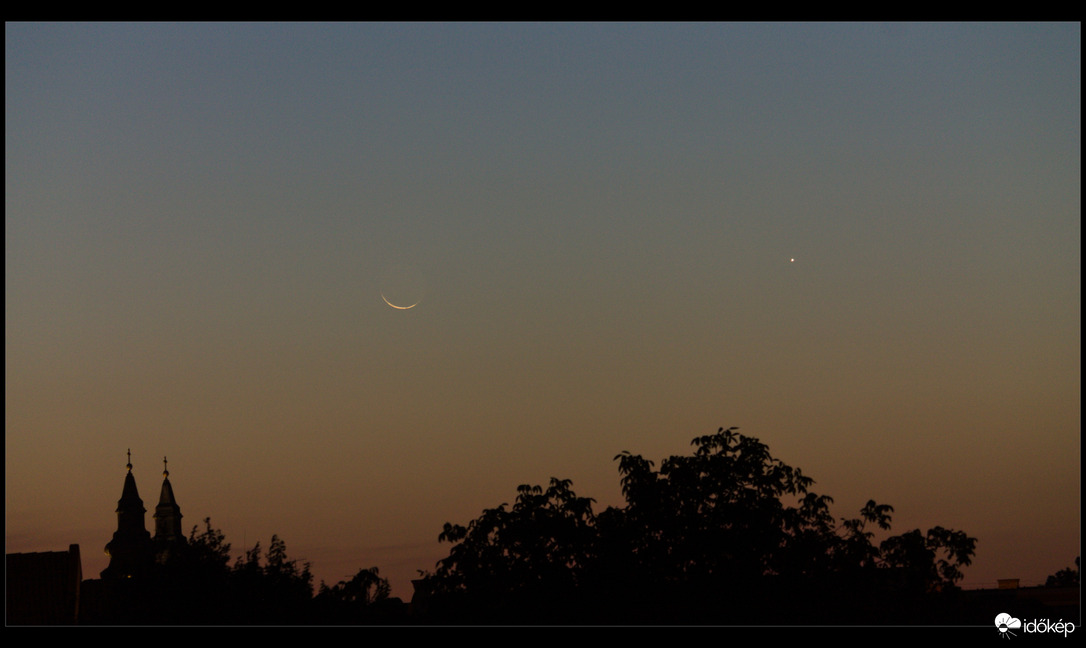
(860, 243)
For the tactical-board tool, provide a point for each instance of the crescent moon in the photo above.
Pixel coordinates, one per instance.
(395, 306)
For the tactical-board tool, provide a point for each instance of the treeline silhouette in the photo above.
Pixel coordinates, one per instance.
(1066, 577)
(726, 535)
(199, 586)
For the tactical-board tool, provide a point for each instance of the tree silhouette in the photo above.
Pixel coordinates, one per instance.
(727, 534)
(193, 587)
(210, 545)
(364, 589)
(929, 562)
(527, 554)
(716, 513)
(275, 592)
(1066, 577)
(364, 599)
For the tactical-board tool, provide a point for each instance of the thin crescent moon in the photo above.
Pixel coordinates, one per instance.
(395, 306)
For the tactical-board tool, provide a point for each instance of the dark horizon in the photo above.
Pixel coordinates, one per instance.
(726, 535)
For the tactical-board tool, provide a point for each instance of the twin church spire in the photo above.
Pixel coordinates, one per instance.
(133, 551)
(167, 513)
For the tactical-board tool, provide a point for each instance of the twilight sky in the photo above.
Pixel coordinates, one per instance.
(860, 243)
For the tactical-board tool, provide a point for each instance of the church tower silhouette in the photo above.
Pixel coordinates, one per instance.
(133, 551)
(168, 535)
(130, 549)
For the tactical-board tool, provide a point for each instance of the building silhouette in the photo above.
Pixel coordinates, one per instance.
(169, 536)
(131, 589)
(47, 588)
(43, 587)
(133, 551)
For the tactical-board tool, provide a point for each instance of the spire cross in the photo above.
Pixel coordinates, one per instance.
(130, 460)
(165, 472)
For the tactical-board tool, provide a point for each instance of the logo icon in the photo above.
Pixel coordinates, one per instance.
(1005, 623)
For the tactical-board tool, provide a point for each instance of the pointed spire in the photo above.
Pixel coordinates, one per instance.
(167, 516)
(130, 501)
(129, 551)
